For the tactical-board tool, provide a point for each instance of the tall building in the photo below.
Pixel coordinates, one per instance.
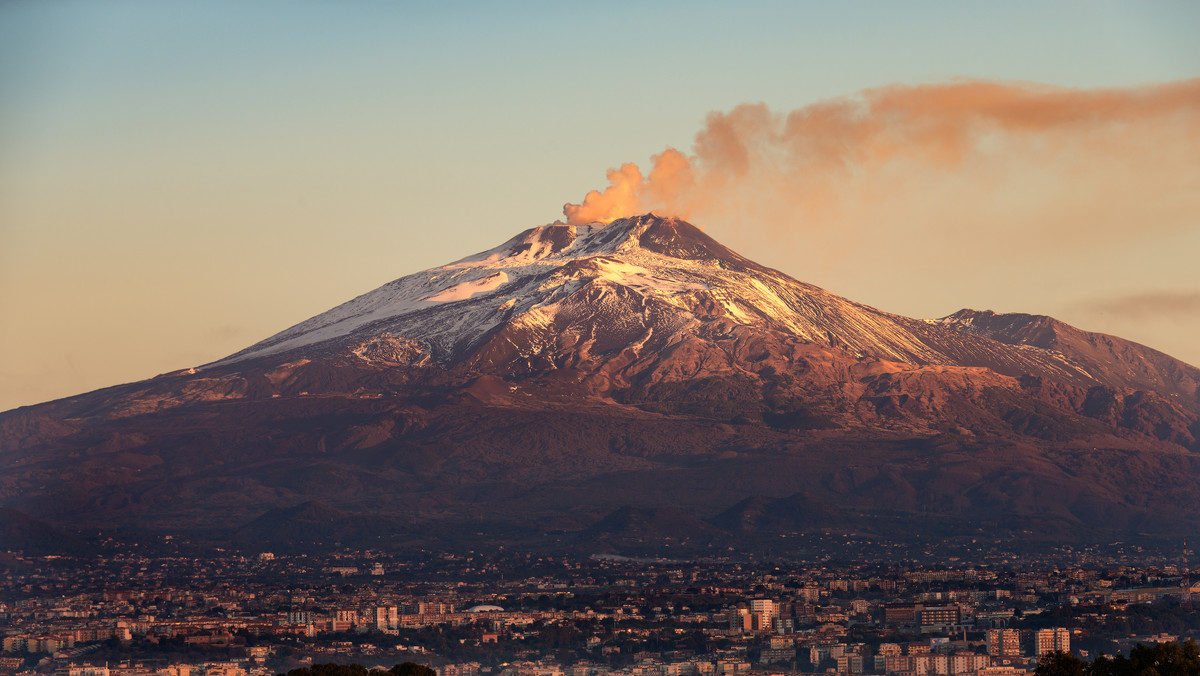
(386, 617)
(1004, 642)
(764, 606)
(762, 613)
(739, 618)
(299, 617)
(1052, 640)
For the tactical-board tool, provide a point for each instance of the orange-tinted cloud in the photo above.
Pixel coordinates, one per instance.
(815, 162)
(620, 198)
(1174, 305)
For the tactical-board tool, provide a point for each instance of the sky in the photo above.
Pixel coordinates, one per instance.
(181, 180)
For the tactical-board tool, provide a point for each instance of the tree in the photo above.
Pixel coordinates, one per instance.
(330, 669)
(412, 669)
(1060, 663)
(1167, 659)
(1160, 659)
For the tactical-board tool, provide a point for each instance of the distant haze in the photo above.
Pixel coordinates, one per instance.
(181, 180)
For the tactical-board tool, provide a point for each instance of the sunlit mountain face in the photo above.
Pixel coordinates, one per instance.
(625, 386)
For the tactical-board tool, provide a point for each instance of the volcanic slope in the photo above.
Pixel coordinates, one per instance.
(577, 371)
(650, 283)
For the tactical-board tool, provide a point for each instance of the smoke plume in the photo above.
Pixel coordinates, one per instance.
(858, 158)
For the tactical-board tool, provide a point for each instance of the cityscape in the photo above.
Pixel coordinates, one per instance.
(132, 612)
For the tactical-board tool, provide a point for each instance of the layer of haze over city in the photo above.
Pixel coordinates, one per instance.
(181, 180)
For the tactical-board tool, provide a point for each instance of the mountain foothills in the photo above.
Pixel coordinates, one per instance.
(622, 388)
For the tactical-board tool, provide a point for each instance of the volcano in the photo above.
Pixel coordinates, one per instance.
(576, 377)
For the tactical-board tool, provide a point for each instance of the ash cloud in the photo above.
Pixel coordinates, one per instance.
(837, 161)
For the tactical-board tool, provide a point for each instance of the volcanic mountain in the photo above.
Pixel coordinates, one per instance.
(577, 375)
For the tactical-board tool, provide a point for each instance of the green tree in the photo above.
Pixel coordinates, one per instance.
(1160, 659)
(1060, 663)
(412, 669)
(1166, 659)
(330, 669)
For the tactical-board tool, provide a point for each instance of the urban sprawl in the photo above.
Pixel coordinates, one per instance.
(132, 612)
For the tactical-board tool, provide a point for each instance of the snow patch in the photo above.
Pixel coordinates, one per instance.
(465, 290)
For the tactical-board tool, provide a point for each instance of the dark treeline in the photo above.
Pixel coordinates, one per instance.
(1160, 659)
(331, 669)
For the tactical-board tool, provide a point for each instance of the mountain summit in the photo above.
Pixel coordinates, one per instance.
(563, 295)
(577, 371)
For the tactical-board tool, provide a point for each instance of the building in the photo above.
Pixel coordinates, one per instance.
(299, 617)
(762, 615)
(772, 655)
(1004, 642)
(764, 606)
(850, 663)
(739, 618)
(385, 617)
(1002, 671)
(968, 663)
(900, 613)
(818, 654)
(938, 616)
(933, 663)
(1056, 639)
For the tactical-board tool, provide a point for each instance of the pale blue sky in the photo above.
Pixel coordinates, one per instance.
(181, 179)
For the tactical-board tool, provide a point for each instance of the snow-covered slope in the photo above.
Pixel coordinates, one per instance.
(601, 290)
(451, 309)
